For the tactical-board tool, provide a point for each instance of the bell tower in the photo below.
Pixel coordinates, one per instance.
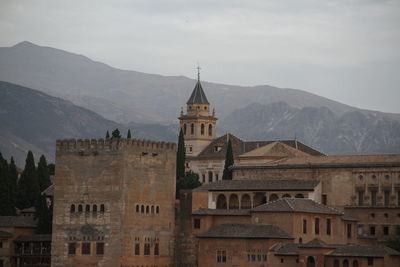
(198, 123)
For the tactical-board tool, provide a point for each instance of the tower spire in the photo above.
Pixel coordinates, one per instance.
(198, 71)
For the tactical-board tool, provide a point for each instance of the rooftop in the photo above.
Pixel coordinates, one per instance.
(33, 238)
(198, 96)
(222, 212)
(245, 231)
(296, 205)
(363, 251)
(17, 221)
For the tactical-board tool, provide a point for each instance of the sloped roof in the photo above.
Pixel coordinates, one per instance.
(260, 185)
(198, 96)
(253, 231)
(222, 212)
(17, 221)
(240, 147)
(275, 149)
(363, 251)
(296, 205)
(316, 243)
(290, 249)
(33, 238)
(346, 217)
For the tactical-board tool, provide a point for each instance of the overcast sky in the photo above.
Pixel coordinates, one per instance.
(345, 50)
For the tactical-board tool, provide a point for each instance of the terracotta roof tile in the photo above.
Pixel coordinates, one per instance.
(222, 212)
(17, 221)
(363, 251)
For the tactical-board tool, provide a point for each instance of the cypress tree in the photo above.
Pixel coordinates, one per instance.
(107, 135)
(4, 196)
(129, 134)
(180, 157)
(28, 186)
(44, 215)
(116, 134)
(12, 185)
(227, 175)
(43, 174)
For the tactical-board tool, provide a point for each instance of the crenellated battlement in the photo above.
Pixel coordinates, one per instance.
(109, 145)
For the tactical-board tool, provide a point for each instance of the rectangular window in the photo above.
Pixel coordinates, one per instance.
(360, 230)
(385, 230)
(324, 199)
(373, 198)
(71, 248)
(328, 226)
(317, 226)
(85, 248)
(360, 198)
(99, 248)
(221, 255)
(387, 197)
(304, 226)
(156, 249)
(147, 249)
(197, 223)
(370, 261)
(137, 249)
(372, 230)
(349, 230)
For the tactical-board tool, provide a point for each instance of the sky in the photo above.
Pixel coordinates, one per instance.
(345, 50)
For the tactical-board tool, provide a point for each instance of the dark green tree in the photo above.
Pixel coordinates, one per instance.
(227, 174)
(180, 157)
(44, 215)
(189, 181)
(28, 185)
(43, 174)
(5, 205)
(107, 135)
(129, 134)
(12, 185)
(116, 134)
(52, 168)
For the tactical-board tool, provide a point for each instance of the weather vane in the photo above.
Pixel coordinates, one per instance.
(198, 71)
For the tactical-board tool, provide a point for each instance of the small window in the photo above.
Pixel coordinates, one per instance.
(137, 249)
(147, 210)
(71, 248)
(87, 208)
(80, 208)
(202, 129)
(328, 226)
(94, 208)
(304, 226)
(85, 248)
(147, 249)
(156, 249)
(221, 255)
(102, 208)
(349, 230)
(360, 198)
(157, 209)
(372, 230)
(184, 129)
(324, 199)
(152, 209)
(142, 208)
(190, 148)
(317, 226)
(72, 210)
(137, 208)
(370, 261)
(192, 128)
(210, 130)
(385, 230)
(99, 248)
(197, 223)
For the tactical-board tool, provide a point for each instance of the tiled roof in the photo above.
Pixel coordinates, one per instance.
(363, 251)
(222, 212)
(346, 217)
(254, 231)
(316, 243)
(288, 249)
(239, 147)
(198, 96)
(260, 185)
(296, 205)
(5, 234)
(37, 238)
(17, 221)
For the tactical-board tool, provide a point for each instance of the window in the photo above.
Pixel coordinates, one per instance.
(192, 128)
(204, 177)
(210, 130)
(372, 230)
(94, 208)
(360, 198)
(210, 177)
(156, 249)
(216, 177)
(370, 261)
(87, 208)
(373, 198)
(71, 248)
(317, 226)
(197, 223)
(184, 129)
(324, 199)
(328, 226)
(102, 208)
(385, 230)
(80, 208)
(345, 263)
(190, 148)
(147, 249)
(142, 208)
(85, 248)
(304, 226)
(137, 249)
(99, 248)
(152, 209)
(387, 197)
(349, 230)
(202, 129)
(355, 263)
(221, 255)
(137, 208)
(147, 210)
(72, 208)
(157, 209)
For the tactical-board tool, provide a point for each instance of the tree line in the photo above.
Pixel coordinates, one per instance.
(26, 191)
(117, 134)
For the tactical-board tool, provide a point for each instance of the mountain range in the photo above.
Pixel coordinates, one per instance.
(108, 97)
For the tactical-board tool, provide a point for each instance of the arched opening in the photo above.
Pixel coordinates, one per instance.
(142, 209)
(246, 202)
(157, 209)
(221, 202)
(355, 263)
(152, 209)
(80, 208)
(87, 208)
(336, 263)
(184, 129)
(300, 240)
(345, 263)
(137, 208)
(273, 197)
(299, 196)
(286, 196)
(210, 176)
(94, 208)
(259, 199)
(102, 208)
(310, 262)
(210, 129)
(72, 210)
(202, 129)
(192, 128)
(147, 209)
(233, 202)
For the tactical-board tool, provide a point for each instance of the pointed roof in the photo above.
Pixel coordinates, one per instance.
(316, 243)
(198, 96)
(275, 149)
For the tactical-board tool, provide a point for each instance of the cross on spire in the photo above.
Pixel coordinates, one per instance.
(198, 71)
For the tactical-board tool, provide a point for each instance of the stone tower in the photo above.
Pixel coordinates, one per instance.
(199, 123)
(114, 203)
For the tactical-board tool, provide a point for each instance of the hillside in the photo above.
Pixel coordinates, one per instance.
(32, 120)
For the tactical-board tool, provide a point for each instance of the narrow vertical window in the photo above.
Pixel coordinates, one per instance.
(304, 226)
(80, 208)
(197, 223)
(372, 230)
(72, 208)
(85, 248)
(99, 248)
(94, 208)
(373, 198)
(210, 177)
(317, 226)
(349, 230)
(192, 128)
(360, 198)
(102, 208)
(324, 199)
(210, 129)
(184, 129)
(387, 197)
(137, 248)
(156, 249)
(87, 208)
(202, 129)
(71, 248)
(328, 226)
(147, 248)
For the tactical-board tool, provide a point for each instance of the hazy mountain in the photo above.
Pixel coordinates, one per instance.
(32, 120)
(126, 96)
(353, 132)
